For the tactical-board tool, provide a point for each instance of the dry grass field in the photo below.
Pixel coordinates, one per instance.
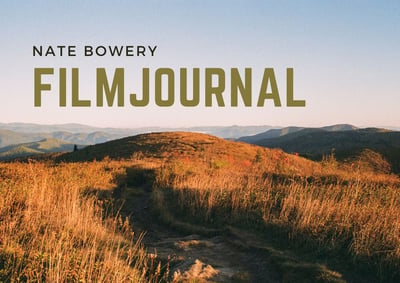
(53, 229)
(58, 222)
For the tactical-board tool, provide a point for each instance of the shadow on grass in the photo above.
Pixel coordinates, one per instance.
(131, 197)
(297, 257)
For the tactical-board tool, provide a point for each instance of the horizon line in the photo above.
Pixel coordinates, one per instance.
(202, 126)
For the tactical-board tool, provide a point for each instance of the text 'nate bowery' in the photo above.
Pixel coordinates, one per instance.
(90, 50)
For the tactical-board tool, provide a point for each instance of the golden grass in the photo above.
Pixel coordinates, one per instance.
(51, 231)
(335, 206)
(52, 228)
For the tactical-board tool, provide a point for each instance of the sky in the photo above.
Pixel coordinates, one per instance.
(345, 56)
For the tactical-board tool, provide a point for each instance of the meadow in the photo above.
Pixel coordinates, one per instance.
(348, 210)
(58, 220)
(332, 207)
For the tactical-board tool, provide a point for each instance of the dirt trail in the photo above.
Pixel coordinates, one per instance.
(209, 258)
(231, 255)
(226, 255)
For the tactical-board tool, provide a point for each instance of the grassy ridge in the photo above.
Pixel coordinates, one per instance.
(336, 208)
(315, 143)
(53, 229)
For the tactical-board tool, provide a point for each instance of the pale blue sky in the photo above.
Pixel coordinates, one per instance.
(345, 56)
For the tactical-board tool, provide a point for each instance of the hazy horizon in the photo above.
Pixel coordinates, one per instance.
(201, 126)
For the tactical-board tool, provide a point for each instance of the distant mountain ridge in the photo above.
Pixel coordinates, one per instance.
(38, 128)
(233, 131)
(18, 139)
(8, 137)
(273, 133)
(314, 143)
(34, 148)
(17, 133)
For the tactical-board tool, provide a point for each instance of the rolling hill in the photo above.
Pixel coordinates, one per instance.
(34, 148)
(163, 145)
(8, 137)
(346, 140)
(78, 132)
(199, 148)
(18, 139)
(201, 197)
(203, 183)
(274, 133)
(314, 143)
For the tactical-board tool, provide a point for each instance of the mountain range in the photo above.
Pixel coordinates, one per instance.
(35, 148)
(274, 133)
(16, 133)
(344, 141)
(22, 139)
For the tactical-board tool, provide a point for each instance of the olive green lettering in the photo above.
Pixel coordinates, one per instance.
(237, 84)
(289, 91)
(269, 77)
(218, 89)
(145, 95)
(76, 102)
(196, 88)
(117, 83)
(169, 73)
(39, 87)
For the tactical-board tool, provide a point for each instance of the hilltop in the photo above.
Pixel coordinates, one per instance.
(194, 147)
(164, 144)
(311, 143)
(13, 133)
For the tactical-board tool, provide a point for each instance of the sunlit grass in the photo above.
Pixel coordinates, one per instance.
(350, 208)
(51, 230)
(53, 227)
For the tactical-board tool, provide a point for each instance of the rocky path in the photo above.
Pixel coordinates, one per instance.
(217, 258)
(231, 255)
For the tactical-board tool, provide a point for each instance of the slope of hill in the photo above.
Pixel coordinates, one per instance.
(197, 148)
(204, 184)
(228, 132)
(165, 144)
(242, 212)
(85, 138)
(273, 133)
(8, 137)
(316, 143)
(34, 148)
